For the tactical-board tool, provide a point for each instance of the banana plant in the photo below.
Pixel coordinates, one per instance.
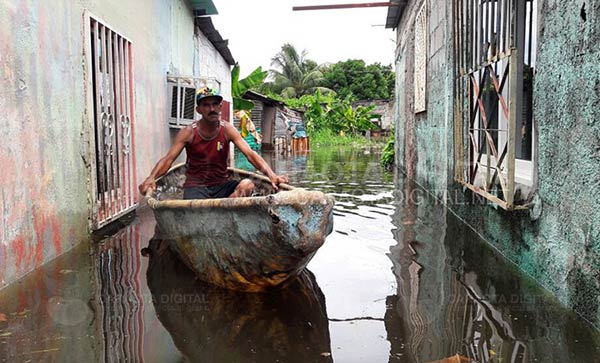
(240, 86)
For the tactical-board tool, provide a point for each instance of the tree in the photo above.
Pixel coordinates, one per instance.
(352, 78)
(293, 74)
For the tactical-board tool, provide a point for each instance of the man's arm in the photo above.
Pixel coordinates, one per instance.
(163, 165)
(254, 159)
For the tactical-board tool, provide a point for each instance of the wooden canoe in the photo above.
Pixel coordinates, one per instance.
(248, 244)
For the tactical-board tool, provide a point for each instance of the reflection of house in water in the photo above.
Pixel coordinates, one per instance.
(282, 128)
(456, 295)
(119, 305)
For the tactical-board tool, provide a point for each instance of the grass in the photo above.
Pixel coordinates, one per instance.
(329, 138)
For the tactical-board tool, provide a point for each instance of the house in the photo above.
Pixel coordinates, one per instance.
(496, 115)
(281, 127)
(384, 109)
(91, 91)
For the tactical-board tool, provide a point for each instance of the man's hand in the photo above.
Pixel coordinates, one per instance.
(147, 184)
(277, 179)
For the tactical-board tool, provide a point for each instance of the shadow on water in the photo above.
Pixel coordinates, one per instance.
(211, 324)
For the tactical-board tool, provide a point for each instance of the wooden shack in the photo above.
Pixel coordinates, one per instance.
(281, 127)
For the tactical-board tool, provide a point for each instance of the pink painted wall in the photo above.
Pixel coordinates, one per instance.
(47, 137)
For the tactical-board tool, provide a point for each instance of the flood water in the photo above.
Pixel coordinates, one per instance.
(400, 279)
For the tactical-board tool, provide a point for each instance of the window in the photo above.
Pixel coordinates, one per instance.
(495, 67)
(421, 59)
(110, 62)
(182, 95)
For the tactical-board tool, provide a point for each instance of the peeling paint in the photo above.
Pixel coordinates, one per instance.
(18, 249)
(47, 206)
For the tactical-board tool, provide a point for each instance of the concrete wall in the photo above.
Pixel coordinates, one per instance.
(213, 65)
(384, 108)
(424, 136)
(47, 137)
(558, 241)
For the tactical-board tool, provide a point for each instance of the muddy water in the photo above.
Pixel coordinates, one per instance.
(399, 280)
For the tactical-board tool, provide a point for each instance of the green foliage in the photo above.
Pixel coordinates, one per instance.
(328, 112)
(355, 120)
(240, 86)
(317, 108)
(388, 154)
(354, 79)
(293, 75)
(326, 93)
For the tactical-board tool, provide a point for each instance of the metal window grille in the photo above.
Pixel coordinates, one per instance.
(185, 98)
(112, 87)
(493, 40)
(182, 95)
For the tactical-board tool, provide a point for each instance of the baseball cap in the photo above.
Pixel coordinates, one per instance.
(206, 92)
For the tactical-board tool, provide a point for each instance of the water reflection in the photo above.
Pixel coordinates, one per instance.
(460, 300)
(404, 281)
(211, 324)
(119, 304)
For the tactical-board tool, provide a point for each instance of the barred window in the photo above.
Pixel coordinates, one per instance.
(110, 61)
(495, 66)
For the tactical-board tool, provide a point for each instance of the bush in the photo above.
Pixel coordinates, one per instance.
(328, 112)
(388, 154)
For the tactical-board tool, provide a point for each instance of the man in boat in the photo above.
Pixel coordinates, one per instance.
(207, 146)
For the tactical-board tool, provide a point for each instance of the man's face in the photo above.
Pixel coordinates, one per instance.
(210, 109)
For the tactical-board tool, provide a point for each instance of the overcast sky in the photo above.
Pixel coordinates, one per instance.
(257, 29)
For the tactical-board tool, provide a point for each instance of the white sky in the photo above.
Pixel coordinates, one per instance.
(257, 29)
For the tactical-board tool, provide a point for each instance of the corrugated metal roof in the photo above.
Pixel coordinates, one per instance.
(394, 13)
(255, 96)
(251, 95)
(207, 28)
(203, 7)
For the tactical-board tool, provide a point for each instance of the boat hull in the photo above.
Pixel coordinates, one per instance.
(249, 244)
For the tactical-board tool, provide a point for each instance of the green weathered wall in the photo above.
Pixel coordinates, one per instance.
(567, 111)
(560, 247)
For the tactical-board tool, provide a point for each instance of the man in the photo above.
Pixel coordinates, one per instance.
(207, 146)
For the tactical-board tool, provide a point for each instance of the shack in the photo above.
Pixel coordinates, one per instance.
(282, 128)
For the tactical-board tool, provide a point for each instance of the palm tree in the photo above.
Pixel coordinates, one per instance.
(293, 74)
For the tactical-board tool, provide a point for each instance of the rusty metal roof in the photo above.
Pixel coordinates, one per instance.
(395, 11)
(252, 95)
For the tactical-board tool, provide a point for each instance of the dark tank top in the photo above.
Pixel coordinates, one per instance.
(206, 159)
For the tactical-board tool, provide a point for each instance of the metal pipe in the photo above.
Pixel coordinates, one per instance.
(343, 6)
